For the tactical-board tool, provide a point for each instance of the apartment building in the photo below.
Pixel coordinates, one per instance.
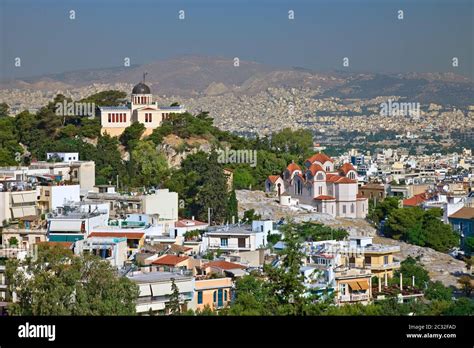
(155, 291)
(212, 293)
(111, 249)
(238, 237)
(17, 204)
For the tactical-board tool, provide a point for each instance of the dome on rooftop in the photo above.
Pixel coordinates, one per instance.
(141, 88)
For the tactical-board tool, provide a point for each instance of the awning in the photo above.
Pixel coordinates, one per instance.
(17, 212)
(65, 238)
(65, 226)
(29, 211)
(17, 198)
(354, 286)
(364, 285)
(145, 290)
(29, 197)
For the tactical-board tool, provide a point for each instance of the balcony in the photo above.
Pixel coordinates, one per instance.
(230, 246)
(375, 267)
(353, 297)
(384, 266)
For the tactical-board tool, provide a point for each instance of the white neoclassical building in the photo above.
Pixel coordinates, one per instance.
(319, 184)
(141, 108)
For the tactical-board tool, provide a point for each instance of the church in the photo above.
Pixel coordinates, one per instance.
(329, 190)
(141, 108)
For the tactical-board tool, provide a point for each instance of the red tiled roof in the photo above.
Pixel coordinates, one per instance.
(320, 157)
(314, 168)
(414, 201)
(189, 223)
(225, 265)
(170, 260)
(346, 167)
(273, 178)
(292, 167)
(465, 213)
(324, 198)
(337, 179)
(128, 235)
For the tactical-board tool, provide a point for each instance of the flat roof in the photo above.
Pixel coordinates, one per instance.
(152, 277)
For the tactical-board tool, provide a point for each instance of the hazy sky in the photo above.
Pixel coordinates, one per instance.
(322, 33)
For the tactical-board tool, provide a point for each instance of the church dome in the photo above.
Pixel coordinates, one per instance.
(141, 88)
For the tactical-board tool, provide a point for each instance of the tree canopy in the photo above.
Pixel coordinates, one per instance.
(60, 283)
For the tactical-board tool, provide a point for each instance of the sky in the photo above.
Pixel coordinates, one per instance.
(321, 34)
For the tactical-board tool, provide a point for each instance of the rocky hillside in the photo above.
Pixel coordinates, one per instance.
(177, 149)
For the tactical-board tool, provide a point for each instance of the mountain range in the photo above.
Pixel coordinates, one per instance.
(200, 75)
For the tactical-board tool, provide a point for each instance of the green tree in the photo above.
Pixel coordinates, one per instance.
(317, 232)
(106, 98)
(420, 227)
(232, 208)
(4, 110)
(60, 283)
(469, 244)
(150, 168)
(174, 307)
(250, 216)
(409, 268)
(132, 134)
(286, 280)
(380, 210)
(243, 179)
(13, 241)
(298, 142)
(467, 284)
(437, 291)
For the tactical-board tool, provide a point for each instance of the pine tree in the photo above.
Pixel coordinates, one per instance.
(232, 207)
(173, 305)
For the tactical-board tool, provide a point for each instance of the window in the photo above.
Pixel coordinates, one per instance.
(352, 208)
(385, 260)
(110, 118)
(368, 260)
(224, 242)
(342, 289)
(199, 297)
(343, 209)
(124, 117)
(320, 190)
(225, 295)
(214, 296)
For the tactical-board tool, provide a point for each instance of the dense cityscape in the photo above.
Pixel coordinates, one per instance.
(195, 171)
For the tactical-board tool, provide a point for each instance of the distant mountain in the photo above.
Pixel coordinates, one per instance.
(197, 75)
(446, 89)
